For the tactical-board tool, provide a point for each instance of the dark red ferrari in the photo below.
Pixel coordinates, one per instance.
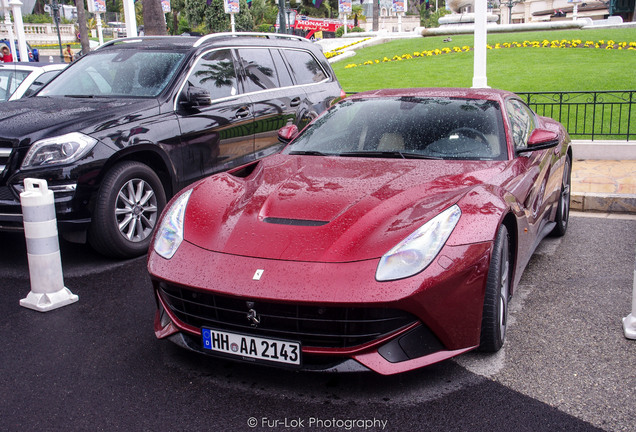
(388, 235)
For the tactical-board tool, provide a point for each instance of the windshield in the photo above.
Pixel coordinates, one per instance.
(10, 79)
(407, 127)
(116, 73)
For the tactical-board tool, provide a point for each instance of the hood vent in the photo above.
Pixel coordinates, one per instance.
(295, 222)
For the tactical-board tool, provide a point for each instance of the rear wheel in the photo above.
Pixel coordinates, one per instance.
(495, 314)
(129, 202)
(563, 210)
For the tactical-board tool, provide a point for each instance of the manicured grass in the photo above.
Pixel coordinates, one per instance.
(515, 69)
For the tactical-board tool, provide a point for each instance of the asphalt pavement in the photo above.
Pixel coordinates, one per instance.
(96, 365)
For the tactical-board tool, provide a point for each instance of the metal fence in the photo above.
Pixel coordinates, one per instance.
(589, 115)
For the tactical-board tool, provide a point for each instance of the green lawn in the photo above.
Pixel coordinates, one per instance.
(514, 69)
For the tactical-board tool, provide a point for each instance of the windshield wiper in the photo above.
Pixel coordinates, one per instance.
(80, 96)
(307, 153)
(389, 154)
(375, 153)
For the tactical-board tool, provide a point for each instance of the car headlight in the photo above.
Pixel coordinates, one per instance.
(58, 150)
(418, 250)
(170, 232)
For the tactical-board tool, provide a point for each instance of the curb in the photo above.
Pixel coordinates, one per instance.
(606, 203)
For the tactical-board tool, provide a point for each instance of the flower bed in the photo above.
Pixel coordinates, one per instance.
(601, 44)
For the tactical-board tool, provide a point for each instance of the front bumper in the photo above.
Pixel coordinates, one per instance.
(445, 301)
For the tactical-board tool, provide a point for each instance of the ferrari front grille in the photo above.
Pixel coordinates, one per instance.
(312, 325)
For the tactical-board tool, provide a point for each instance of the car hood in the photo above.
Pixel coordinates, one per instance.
(326, 209)
(27, 120)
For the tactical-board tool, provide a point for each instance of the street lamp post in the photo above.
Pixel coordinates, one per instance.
(510, 4)
(56, 17)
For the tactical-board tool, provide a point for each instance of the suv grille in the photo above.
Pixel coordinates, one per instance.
(313, 326)
(5, 153)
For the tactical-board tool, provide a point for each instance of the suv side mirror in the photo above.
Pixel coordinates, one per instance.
(195, 97)
(287, 133)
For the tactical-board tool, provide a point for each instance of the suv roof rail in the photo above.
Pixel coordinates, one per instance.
(267, 35)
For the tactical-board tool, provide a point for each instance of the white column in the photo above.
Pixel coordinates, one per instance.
(9, 26)
(131, 19)
(480, 79)
(98, 24)
(16, 5)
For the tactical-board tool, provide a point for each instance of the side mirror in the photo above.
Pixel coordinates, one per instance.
(541, 139)
(287, 133)
(192, 97)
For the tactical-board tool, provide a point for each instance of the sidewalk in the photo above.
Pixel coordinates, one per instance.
(604, 185)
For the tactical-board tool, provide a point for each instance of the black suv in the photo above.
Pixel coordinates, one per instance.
(125, 127)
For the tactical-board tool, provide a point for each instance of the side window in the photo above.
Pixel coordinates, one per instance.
(260, 71)
(40, 82)
(215, 72)
(305, 67)
(283, 72)
(521, 122)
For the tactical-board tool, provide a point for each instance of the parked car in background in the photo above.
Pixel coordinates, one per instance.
(389, 235)
(34, 55)
(126, 126)
(24, 79)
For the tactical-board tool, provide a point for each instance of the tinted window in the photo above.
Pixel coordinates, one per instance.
(281, 68)
(408, 127)
(521, 122)
(121, 72)
(260, 71)
(215, 72)
(40, 81)
(305, 67)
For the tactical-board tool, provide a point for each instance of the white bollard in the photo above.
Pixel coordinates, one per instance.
(50, 59)
(43, 249)
(629, 322)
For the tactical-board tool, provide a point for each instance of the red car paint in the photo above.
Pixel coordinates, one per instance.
(354, 211)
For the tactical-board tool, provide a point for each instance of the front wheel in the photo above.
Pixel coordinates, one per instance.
(128, 205)
(494, 320)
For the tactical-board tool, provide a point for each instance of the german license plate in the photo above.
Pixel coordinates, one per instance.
(251, 347)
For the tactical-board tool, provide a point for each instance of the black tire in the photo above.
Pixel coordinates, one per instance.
(494, 320)
(127, 208)
(563, 209)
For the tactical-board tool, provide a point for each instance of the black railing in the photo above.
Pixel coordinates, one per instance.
(589, 115)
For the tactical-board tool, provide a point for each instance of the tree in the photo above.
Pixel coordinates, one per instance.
(83, 26)
(154, 20)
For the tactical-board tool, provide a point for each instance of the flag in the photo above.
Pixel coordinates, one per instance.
(317, 3)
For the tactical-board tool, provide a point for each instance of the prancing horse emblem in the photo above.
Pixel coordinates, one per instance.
(258, 274)
(253, 318)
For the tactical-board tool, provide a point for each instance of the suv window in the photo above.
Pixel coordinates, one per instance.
(215, 72)
(305, 67)
(260, 71)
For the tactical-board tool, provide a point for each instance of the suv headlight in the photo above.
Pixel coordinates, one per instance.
(170, 232)
(59, 150)
(418, 250)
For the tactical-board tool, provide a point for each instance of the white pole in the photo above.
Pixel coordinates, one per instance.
(9, 26)
(345, 24)
(19, 29)
(629, 322)
(130, 18)
(233, 23)
(98, 24)
(480, 80)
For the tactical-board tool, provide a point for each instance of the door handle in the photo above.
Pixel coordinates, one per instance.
(243, 112)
